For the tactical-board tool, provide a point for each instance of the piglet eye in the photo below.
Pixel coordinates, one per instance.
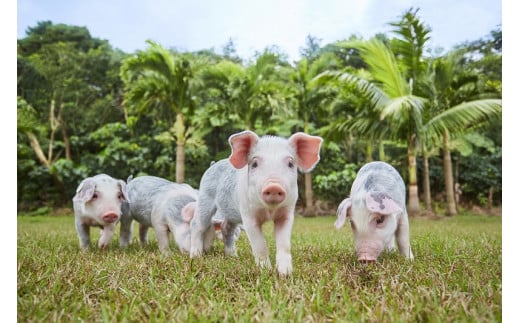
(290, 164)
(254, 164)
(120, 196)
(380, 220)
(95, 196)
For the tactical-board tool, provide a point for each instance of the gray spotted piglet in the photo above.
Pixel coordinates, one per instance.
(377, 213)
(165, 206)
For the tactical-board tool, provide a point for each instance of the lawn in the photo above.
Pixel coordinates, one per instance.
(456, 277)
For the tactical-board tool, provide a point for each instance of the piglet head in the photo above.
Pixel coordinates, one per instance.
(372, 220)
(273, 163)
(100, 198)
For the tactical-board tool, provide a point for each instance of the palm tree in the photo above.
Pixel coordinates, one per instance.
(158, 81)
(307, 100)
(392, 91)
(392, 101)
(247, 96)
(452, 114)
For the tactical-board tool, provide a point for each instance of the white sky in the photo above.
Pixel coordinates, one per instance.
(254, 25)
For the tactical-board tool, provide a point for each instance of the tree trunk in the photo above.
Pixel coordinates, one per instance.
(61, 122)
(382, 156)
(369, 151)
(490, 198)
(456, 187)
(66, 141)
(54, 124)
(309, 195)
(451, 208)
(35, 145)
(426, 185)
(413, 190)
(180, 132)
(179, 163)
(309, 203)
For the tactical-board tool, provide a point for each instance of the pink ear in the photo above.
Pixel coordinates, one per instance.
(382, 203)
(122, 186)
(241, 144)
(85, 190)
(188, 211)
(307, 149)
(342, 212)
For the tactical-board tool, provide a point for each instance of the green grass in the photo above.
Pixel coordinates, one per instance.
(456, 277)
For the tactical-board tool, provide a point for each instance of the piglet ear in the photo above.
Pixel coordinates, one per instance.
(342, 212)
(307, 149)
(241, 144)
(85, 190)
(122, 188)
(188, 211)
(381, 202)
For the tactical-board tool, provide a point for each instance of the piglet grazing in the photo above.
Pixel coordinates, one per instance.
(376, 209)
(257, 183)
(166, 206)
(98, 202)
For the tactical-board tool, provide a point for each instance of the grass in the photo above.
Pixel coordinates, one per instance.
(456, 277)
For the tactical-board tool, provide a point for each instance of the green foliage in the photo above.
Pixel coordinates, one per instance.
(456, 277)
(336, 184)
(480, 173)
(94, 109)
(27, 118)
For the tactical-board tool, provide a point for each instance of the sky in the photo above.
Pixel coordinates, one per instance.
(254, 25)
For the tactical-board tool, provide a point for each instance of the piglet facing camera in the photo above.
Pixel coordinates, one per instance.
(377, 213)
(257, 183)
(98, 202)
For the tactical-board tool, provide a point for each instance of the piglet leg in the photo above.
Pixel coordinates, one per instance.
(257, 241)
(282, 232)
(83, 234)
(106, 235)
(403, 236)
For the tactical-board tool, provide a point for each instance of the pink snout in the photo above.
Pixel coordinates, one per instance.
(110, 217)
(273, 193)
(366, 258)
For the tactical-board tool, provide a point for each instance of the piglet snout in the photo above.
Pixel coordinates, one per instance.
(110, 217)
(273, 193)
(366, 258)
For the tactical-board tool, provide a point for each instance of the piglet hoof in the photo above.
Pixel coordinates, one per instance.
(284, 271)
(264, 263)
(410, 254)
(284, 265)
(195, 253)
(231, 252)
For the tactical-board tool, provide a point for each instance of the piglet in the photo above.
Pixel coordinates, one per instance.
(376, 209)
(257, 183)
(98, 202)
(165, 206)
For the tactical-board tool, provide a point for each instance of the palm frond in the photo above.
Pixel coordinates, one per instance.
(383, 66)
(458, 118)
